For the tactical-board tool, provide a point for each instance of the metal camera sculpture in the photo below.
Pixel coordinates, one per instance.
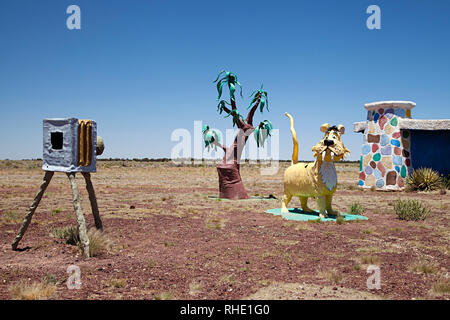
(70, 146)
(230, 182)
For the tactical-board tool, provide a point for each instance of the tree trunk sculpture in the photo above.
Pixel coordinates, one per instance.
(230, 181)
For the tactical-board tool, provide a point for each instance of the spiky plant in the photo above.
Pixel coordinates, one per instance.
(424, 179)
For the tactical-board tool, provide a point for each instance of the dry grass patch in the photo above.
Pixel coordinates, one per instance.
(333, 275)
(99, 242)
(195, 288)
(32, 291)
(164, 296)
(117, 283)
(442, 287)
(227, 279)
(216, 223)
(424, 267)
(11, 217)
(368, 259)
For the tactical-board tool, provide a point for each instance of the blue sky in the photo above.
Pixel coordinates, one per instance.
(144, 68)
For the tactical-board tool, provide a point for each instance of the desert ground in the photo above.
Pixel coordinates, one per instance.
(166, 237)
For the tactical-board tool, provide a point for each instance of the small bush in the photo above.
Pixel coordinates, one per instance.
(411, 210)
(99, 242)
(424, 179)
(446, 182)
(356, 208)
(70, 234)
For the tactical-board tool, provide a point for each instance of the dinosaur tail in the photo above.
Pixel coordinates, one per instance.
(294, 140)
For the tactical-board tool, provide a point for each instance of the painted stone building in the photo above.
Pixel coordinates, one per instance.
(394, 145)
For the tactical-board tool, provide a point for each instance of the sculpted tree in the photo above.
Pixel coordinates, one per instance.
(230, 182)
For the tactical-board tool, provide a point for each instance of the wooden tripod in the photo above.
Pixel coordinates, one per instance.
(76, 204)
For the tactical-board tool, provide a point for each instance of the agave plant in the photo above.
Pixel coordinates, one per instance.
(262, 95)
(231, 80)
(424, 179)
(262, 131)
(211, 137)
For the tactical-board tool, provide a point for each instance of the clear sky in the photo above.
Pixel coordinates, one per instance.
(143, 68)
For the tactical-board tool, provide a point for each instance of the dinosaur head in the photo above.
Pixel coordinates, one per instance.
(331, 143)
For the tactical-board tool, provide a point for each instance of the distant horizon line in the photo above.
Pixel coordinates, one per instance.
(164, 159)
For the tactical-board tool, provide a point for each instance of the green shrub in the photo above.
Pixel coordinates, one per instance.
(410, 210)
(424, 179)
(356, 208)
(446, 182)
(70, 234)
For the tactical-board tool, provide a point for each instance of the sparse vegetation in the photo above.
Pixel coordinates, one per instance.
(117, 283)
(356, 208)
(340, 220)
(164, 296)
(99, 242)
(367, 259)
(411, 210)
(442, 287)
(23, 290)
(69, 234)
(446, 182)
(195, 288)
(423, 179)
(424, 267)
(12, 217)
(334, 276)
(169, 244)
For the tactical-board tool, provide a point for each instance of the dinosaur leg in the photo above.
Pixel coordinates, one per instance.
(321, 202)
(304, 203)
(286, 199)
(328, 200)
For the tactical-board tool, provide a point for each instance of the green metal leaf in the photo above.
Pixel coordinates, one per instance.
(219, 88)
(219, 75)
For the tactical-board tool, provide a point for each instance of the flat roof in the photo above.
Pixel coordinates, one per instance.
(390, 104)
(411, 124)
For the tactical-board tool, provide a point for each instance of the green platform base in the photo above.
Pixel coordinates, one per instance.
(252, 198)
(299, 215)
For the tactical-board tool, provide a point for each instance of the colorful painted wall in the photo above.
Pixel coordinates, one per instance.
(386, 157)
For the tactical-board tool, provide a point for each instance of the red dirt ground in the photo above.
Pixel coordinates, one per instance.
(179, 242)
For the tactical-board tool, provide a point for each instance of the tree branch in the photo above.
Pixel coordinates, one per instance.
(250, 115)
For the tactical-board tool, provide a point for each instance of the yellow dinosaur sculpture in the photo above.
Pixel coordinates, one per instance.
(317, 179)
